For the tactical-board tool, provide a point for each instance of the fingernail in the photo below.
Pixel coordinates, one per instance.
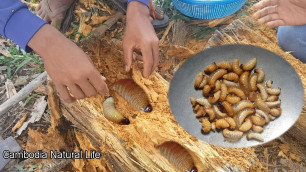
(103, 78)
(126, 68)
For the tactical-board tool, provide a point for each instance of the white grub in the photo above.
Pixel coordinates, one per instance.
(246, 126)
(261, 75)
(243, 105)
(263, 92)
(243, 114)
(219, 114)
(272, 98)
(272, 117)
(269, 84)
(204, 102)
(230, 83)
(263, 114)
(273, 104)
(232, 136)
(257, 129)
(276, 112)
(274, 91)
(255, 136)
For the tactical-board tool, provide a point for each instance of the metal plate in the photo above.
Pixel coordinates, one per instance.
(276, 69)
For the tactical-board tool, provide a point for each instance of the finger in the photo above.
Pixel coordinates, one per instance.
(276, 23)
(155, 49)
(265, 11)
(268, 18)
(64, 93)
(87, 88)
(147, 61)
(76, 91)
(99, 83)
(38, 8)
(128, 56)
(265, 3)
(39, 13)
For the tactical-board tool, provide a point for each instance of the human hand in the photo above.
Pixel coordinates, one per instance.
(67, 65)
(281, 12)
(139, 33)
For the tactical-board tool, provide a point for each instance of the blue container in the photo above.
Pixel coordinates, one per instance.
(208, 9)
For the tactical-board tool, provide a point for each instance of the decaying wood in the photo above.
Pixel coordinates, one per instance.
(10, 88)
(38, 110)
(23, 93)
(99, 32)
(245, 31)
(134, 147)
(166, 32)
(216, 22)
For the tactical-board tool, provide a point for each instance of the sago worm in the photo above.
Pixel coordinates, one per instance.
(260, 104)
(193, 101)
(213, 99)
(230, 83)
(217, 86)
(269, 84)
(228, 108)
(211, 113)
(273, 91)
(231, 77)
(243, 114)
(231, 122)
(178, 156)
(257, 129)
(246, 126)
(206, 90)
(276, 112)
(253, 82)
(236, 68)
(272, 98)
(232, 136)
(261, 75)
(219, 114)
(204, 102)
(232, 99)
(244, 80)
(196, 108)
(133, 94)
(198, 80)
(237, 91)
(112, 114)
(211, 68)
(243, 105)
(224, 92)
(213, 126)
(201, 112)
(204, 82)
(272, 117)
(263, 114)
(263, 92)
(206, 125)
(255, 136)
(258, 120)
(215, 76)
(250, 64)
(252, 96)
(273, 104)
(221, 123)
(225, 65)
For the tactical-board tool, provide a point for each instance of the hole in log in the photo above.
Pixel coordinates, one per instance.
(178, 156)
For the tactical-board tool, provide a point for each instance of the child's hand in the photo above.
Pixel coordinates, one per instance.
(139, 33)
(67, 65)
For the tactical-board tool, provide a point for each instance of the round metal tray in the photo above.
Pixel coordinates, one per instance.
(276, 69)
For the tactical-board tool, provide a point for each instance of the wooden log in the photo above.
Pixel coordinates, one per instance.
(135, 147)
(23, 93)
(246, 31)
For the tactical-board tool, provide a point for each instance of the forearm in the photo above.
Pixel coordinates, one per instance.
(145, 2)
(18, 23)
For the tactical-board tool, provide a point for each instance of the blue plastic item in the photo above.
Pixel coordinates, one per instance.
(208, 9)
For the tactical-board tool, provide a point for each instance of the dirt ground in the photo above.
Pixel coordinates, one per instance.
(185, 35)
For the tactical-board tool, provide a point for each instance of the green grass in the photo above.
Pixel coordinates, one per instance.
(201, 32)
(19, 59)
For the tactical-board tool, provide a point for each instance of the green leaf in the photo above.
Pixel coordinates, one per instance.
(30, 98)
(20, 168)
(22, 64)
(33, 168)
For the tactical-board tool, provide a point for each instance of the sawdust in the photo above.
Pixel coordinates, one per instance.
(180, 52)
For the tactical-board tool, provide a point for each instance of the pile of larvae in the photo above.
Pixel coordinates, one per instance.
(236, 100)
